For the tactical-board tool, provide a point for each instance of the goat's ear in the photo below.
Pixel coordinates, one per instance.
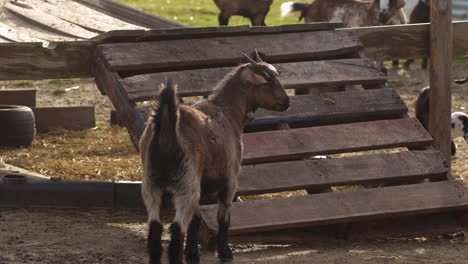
(250, 76)
(397, 3)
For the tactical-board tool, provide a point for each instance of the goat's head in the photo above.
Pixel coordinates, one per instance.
(459, 125)
(389, 9)
(262, 80)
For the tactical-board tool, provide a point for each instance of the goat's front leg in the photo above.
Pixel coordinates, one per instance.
(152, 198)
(192, 254)
(186, 204)
(223, 19)
(225, 198)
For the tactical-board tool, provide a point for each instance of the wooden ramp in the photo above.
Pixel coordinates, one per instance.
(348, 109)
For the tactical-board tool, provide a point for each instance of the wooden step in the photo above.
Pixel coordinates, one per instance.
(293, 75)
(323, 173)
(341, 207)
(223, 51)
(281, 145)
(329, 108)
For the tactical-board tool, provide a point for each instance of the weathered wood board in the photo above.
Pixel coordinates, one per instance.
(341, 207)
(212, 52)
(329, 108)
(293, 75)
(321, 173)
(73, 118)
(26, 97)
(299, 143)
(49, 21)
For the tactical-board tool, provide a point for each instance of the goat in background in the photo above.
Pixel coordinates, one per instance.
(190, 151)
(255, 10)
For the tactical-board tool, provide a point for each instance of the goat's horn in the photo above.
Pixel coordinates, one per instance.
(257, 56)
(250, 59)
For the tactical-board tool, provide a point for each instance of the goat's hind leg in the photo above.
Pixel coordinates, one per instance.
(186, 204)
(152, 199)
(192, 254)
(225, 198)
(223, 20)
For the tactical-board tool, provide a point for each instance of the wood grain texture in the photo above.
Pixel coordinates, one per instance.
(12, 34)
(179, 54)
(322, 173)
(441, 76)
(341, 207)
(73, 118)
(50, 21)
(293, 75)
(299, 143)
(130, 14)
(26, 97)
(32, 61)
(328, 108)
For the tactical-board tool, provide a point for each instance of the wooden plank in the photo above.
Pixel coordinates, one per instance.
(106, 81)
(26, 97)
(328, 108)
(52, 22)
(322, 173)
(80, 15)
(441, 76)
(385, 42)
(221, 51)
(298, 143)
(341, 207)
(293, 75)
(73, 118)
(399, 227)
(130, 14)
(15, 35)
(33, 61)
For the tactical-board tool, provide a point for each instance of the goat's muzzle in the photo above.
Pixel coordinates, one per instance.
(283, 106)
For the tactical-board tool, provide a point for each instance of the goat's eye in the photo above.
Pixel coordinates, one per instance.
(453, 125)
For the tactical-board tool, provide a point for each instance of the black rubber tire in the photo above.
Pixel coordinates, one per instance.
(17, 126)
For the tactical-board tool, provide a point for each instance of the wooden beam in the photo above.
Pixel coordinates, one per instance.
(33, 61)
(441, 76)
(130, 14)
(385, 42)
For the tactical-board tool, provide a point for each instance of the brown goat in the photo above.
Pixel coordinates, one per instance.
(191, 151)
(255, 10)
(353, 13)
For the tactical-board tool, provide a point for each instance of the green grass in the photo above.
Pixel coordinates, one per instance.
(23, 83)
(203, 13)
(62, 80)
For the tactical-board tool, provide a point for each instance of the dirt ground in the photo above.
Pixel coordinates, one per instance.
(105, 236)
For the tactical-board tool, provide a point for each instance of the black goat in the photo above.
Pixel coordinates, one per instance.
(255, 10)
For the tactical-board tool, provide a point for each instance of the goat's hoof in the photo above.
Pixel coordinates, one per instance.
(192, 258)
(225, 255)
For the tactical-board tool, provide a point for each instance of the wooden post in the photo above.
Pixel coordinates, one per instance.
(441, 75)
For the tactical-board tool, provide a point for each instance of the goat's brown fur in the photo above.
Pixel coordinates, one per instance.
(209, 133)
(255, 10)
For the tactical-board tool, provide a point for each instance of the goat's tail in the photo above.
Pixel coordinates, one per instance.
(288, 8)
(165, 152)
